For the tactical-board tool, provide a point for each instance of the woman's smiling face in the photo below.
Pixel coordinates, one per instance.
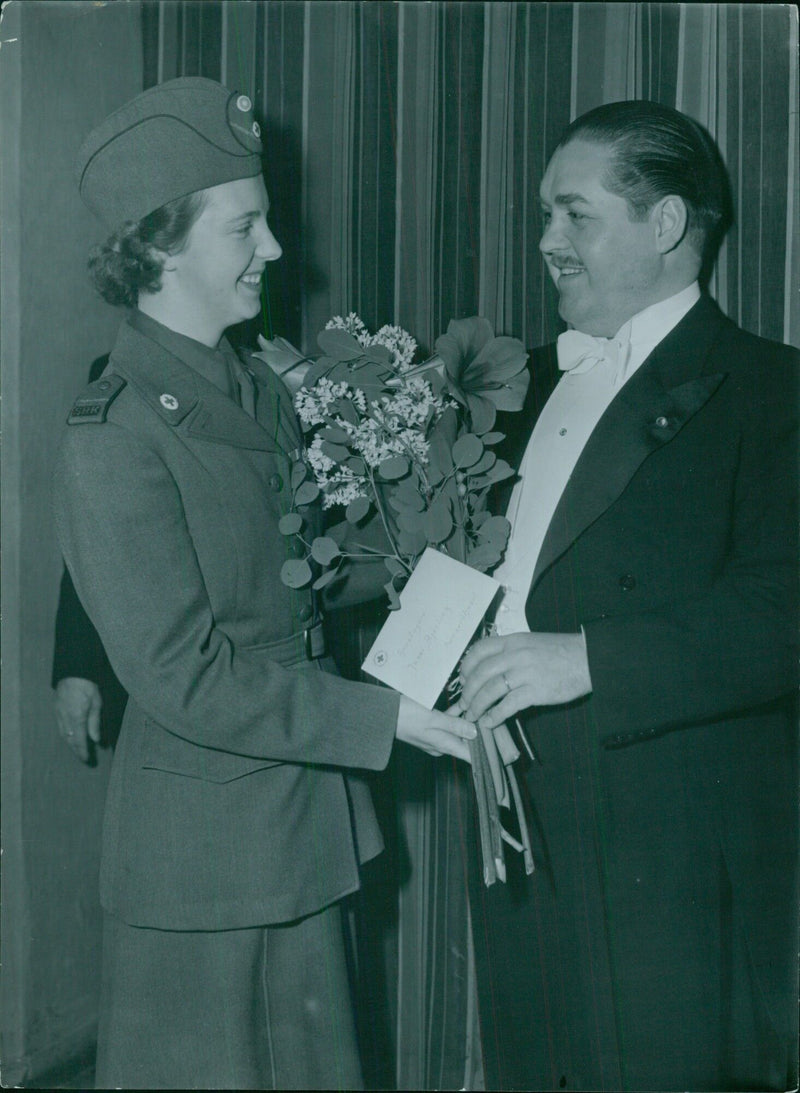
(218, 272)
(606, 266)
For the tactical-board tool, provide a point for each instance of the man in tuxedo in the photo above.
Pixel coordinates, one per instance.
(646, 640)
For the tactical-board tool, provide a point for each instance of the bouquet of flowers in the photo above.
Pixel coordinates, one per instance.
(409, 445)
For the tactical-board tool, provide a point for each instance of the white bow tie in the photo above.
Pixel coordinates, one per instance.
(579, 352)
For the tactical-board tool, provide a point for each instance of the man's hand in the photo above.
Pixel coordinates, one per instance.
(434, 732)
(78, 704)
(503, 675)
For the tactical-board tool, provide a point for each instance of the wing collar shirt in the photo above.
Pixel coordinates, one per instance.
(595, 370)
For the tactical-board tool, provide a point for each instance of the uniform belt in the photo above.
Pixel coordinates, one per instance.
(304, 645)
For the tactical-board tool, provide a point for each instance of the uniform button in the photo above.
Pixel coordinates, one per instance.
(627, 582)
(276, 483)
(662, 422)
(562, 432)
(169, 402)
(244, 103)
(305, 613)
(256, 129)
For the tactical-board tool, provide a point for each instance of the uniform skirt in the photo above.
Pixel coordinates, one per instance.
(263, 1008)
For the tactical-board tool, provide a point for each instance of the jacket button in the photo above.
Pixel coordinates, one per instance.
(305, 613)
(276, 483)
(662, 422)
(627, 582)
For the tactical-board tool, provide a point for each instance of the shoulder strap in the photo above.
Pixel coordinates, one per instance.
(91, 405)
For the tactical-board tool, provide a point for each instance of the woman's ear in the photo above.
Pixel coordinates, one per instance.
(162, 257)
(670, 218)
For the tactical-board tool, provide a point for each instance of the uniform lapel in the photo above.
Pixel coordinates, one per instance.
(274, 408)
(184, 398)
(649, 412)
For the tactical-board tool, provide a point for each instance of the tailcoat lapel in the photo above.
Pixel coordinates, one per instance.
(649, 412)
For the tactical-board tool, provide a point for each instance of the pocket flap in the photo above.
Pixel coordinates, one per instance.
(172, 754)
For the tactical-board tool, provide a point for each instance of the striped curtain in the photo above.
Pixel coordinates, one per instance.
(405, 143)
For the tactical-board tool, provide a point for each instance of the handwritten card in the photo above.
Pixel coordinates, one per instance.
(440, 609)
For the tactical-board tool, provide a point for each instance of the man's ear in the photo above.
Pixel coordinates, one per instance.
(670, 218)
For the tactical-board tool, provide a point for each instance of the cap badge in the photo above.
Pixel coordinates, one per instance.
(169, 402)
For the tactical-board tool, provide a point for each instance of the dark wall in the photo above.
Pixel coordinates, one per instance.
(63, 67)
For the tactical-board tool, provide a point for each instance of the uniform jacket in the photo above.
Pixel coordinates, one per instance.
(661, 925)
(227, 805)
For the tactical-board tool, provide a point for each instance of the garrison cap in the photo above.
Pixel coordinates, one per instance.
(178, 137)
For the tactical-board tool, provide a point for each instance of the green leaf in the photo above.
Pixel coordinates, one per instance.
(320, 368)
(411, 543)
(484, 464)
(357, 465)
(357, 510)
(404, 497)
(498, 473)
(298, 474)
(339, 345)
(306, 493)
(492, 438)
(296, 573)
(347, 411)
(409, 520)
(483, 557)
(397, 569)
(290, 524)
(380, 354)
(438, 521)
(495, 529)
(324, 550)
(482, 413)
(337, 452)
(335, 435)
(394, 467)
(325, 579)
(467, 450)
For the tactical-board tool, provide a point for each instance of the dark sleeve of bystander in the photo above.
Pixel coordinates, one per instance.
(78, 651)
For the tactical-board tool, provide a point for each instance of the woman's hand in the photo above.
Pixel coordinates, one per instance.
(434, 732)
(502, 675)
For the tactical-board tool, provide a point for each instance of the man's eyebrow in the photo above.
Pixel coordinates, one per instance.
(570, 199)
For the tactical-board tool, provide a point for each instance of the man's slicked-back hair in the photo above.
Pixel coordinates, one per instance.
(656, 151)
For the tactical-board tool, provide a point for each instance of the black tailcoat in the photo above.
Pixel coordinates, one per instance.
(655, 946)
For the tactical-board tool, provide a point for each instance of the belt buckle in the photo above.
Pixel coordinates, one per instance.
(314, 642)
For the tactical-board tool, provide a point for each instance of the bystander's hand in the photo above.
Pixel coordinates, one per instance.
(78, 705)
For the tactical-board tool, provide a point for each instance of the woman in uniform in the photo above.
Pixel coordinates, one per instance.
(232, 827)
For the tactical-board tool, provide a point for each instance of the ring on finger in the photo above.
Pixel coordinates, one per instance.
(505, 680)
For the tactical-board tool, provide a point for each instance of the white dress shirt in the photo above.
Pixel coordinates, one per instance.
(568, 419)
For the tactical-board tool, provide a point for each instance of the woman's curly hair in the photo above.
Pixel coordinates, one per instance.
(129, 261)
